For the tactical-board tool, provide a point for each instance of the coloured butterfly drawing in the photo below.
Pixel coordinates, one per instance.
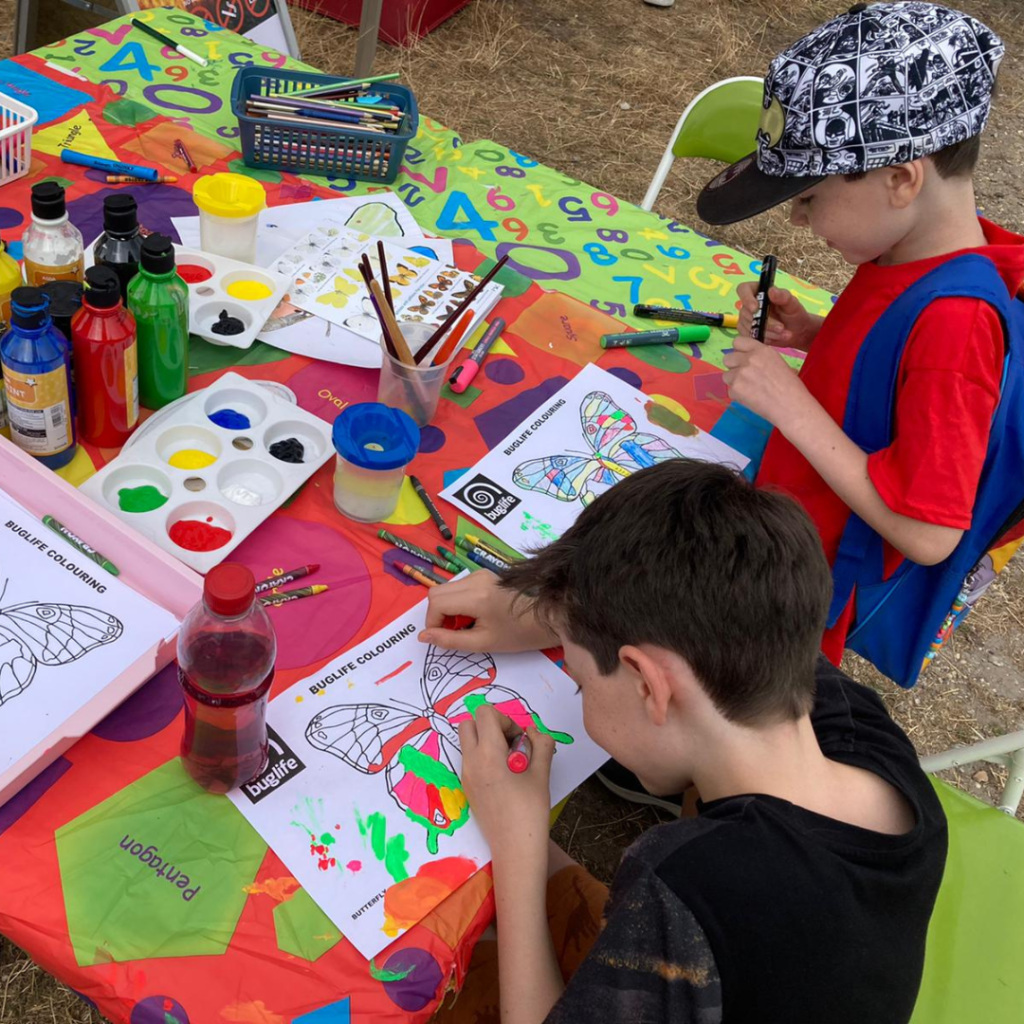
(618, 450)
(37, 633)
(418, 748)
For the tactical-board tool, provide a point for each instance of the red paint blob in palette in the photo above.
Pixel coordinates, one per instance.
(194, 535)
(193, 273)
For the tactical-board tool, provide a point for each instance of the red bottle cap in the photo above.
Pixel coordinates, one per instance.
(229, 589)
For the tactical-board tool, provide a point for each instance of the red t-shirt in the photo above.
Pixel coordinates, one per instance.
(947, 391)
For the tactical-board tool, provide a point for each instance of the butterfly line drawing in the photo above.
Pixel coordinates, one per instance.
(417, 748)
(39, 633)
(618, 450)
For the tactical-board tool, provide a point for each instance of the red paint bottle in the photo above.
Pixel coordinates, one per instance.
(106, 362)
(226, 654)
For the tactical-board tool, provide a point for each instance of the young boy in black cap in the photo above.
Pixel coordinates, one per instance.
(871, 127)
(802, 891)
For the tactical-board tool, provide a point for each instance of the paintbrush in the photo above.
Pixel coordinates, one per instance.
(459, 309)
(384, 274)
(404, 354)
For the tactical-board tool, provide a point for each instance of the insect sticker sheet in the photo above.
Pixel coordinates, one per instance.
(67, 629)
(529, 489)
(361, 798)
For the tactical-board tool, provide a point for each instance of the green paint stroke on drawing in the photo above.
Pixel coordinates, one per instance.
(390, 850)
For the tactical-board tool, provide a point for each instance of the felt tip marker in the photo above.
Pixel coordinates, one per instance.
(759, 324)
(519, 752)
(99, 163)
(421, 491)
(464, 374)
(695, 333)
(80, 546)
(687, 316)
(127, 179)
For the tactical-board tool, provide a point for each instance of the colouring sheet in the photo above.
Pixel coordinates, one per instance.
(529, 489)
(362, 799)
(67, 629)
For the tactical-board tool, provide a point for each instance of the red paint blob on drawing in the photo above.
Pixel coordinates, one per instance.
(407, 903)
(193, 535)
(354, 866)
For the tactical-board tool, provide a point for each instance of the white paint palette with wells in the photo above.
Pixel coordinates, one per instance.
(213, 470)
(219, 287)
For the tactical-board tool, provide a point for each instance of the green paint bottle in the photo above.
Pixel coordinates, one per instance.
(158, 298)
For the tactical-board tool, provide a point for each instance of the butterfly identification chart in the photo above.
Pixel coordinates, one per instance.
(597, 430)
(67, 629)
(361, 798)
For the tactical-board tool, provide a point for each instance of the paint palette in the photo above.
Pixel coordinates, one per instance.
(229, 301)
(203, 479)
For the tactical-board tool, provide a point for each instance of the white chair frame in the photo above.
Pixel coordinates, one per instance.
(668, 157)
(1007, 751)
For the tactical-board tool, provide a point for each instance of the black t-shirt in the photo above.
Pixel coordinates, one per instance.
(761, 912)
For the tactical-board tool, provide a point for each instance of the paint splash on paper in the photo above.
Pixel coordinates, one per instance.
(278, 889)
(388, 849)
(408, 902)
(531, 524)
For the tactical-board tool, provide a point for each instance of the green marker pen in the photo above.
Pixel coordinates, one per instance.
(666, 336)
(80, 546)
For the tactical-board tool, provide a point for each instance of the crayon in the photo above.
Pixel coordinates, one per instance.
(411, 549)
(759, 325)
(695, 333)
(286, 577)
(431, 508)
(80, 546)
(414, 573)
(484, 558)
(100, 163)
(127, 179)
(491, 549)
(519, 752)
(455, 564)
(464, 373)
(273, 600)
(687, 316)
(431, 574)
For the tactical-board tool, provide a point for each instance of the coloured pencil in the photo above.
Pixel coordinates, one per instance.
(447, 350)
(352, 83)
(384, 274)
(431, 508)
(286, 577)
(404, 354)
(128, 179)
(458, 311)
(272, 600)
(414, 573)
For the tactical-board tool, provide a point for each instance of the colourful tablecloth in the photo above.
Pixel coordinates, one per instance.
(250, 946)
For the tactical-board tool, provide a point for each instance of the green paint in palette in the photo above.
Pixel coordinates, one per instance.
(140, 499)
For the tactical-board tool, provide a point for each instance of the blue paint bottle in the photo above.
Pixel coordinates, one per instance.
(36, 361)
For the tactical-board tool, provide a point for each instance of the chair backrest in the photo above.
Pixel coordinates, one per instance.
(972, 961)
(721, 122)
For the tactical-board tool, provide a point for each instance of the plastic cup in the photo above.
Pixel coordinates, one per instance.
(413, 389)
(229, 209)
(374, 445)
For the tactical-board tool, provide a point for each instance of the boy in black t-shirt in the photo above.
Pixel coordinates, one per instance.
(689, 607)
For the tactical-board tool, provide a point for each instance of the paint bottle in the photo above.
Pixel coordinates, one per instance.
(36, 362)
(10, 278)
(106, 362)
(158, 299)
(65, 301)
(226, 654)
(51, 245)
(120, 245)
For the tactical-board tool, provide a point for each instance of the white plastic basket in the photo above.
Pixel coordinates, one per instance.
(16, 120)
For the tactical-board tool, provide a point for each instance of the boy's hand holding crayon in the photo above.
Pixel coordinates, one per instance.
(789, 326)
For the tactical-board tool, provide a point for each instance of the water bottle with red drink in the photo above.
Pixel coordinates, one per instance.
(226, 653)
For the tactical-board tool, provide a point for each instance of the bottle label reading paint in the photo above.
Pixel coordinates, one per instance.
(38, 274)
(131, 383)
(39, 410)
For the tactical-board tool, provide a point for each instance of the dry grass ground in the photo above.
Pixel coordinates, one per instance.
(593, 87)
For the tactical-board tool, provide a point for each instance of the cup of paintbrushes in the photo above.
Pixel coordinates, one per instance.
(414, 389)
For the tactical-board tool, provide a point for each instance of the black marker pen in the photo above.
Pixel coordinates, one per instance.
(759, 325)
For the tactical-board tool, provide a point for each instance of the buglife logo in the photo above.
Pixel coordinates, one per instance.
(282, 766)
(491, 500)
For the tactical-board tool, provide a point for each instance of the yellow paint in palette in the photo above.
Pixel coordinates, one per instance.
(192, 458)
(249, 291)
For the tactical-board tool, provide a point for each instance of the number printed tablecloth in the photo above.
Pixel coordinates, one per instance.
(87, 848)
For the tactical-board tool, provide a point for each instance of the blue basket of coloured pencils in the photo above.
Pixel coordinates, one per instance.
(281, 132)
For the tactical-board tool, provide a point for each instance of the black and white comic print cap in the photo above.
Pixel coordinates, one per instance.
(882, 84)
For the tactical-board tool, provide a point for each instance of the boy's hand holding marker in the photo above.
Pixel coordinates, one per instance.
(789, 325)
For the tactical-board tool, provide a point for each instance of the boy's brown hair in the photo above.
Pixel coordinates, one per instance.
(689, 557)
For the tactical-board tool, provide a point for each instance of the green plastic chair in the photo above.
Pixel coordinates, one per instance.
(720, 124)
(972, 968)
